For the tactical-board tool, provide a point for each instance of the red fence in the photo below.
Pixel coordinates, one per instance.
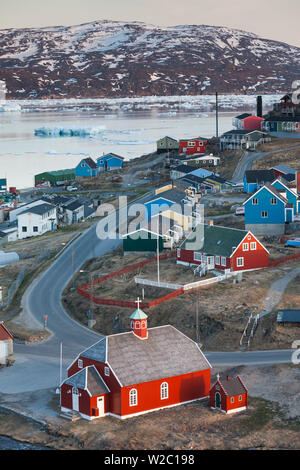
(284, 260)
(127, 303)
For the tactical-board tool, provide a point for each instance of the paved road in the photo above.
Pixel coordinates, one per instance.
(37, 366)
(246, 162)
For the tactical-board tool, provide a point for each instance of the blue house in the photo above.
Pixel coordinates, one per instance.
(110, 162)
(87, 167)
(163, 201)
(255, 179)
(267, 211)
(290, 193)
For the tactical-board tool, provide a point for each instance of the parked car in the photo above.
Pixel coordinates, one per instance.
(72, 188)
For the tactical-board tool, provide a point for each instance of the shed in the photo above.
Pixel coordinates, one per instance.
(58, 177)
(6, 344)
(288, 317)
(228, 395)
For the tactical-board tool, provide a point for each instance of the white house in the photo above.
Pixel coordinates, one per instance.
(13, 215)
(37, 220)
(73, 212)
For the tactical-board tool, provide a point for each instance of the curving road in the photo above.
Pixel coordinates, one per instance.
(37, 366)
(245, 163)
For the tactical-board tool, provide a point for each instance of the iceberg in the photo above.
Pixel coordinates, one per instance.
(68, 131)
(10, 108)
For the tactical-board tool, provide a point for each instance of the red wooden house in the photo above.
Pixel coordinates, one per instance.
(228, 395)
(217, 247)
(133, 373)
(195, 146)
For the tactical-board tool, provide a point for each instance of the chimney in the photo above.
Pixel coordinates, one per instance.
(138, 323)
(259, 106)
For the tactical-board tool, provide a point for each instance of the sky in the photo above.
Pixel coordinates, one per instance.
(271, 19)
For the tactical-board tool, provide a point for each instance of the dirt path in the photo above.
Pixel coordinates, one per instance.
(276, 292)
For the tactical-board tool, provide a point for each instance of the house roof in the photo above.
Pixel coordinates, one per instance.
(194, 138)
(241, 132)
(164, 226)
(214, 239)
(272, 190)
(284, 169)
(232, 386)
(88, 379)
(40, 209)
(174, 195)
(201, 172)
(243, 116)
(90, 162)
(138, 314)
(260, 176)
(4, 333)
(184, 168)
(167, 137)
(282, 119)
(73, 205)
(292, 316)
(165, 353)
(110, 155)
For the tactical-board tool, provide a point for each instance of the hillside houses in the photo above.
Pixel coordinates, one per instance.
(284, 117)
(242, 139)
(110, 162)
(223, 248)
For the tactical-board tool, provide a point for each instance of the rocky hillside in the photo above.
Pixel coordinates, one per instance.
(117, 59)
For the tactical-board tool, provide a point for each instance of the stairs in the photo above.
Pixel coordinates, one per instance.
(201, 270)
(70, 415)
(249, 331)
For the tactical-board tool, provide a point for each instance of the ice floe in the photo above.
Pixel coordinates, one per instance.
(57, 131)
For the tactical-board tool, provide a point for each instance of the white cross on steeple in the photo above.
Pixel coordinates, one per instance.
(218, 376)
(138, 303)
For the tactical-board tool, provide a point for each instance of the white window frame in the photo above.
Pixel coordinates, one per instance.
(164, 391)
(223, 261)
(273, 201)
(240, 397)
(80, 363)
(218, 260)
(264, 214)
(178, 252)
(197, 256)
(240, 262)
(191, 144)
(133, 398)
(106, 371)
(256, 201)
(245, 246)
(232, 399)
(253, 246)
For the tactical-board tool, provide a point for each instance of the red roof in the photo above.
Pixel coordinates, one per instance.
(4, 333)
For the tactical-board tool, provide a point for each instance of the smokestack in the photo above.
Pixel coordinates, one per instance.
(259, 106)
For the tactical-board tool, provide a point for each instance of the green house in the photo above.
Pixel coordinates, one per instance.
(55, 177)
(142, 240)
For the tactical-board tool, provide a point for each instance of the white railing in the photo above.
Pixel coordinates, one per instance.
(164, 285)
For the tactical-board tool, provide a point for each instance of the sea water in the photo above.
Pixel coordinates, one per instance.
(90, 131)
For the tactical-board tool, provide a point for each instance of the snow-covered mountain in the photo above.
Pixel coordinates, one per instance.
(118, 59)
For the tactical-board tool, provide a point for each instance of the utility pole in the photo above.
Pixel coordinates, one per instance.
(60, 372)
(158, 280)
(73, 266)
(217, 116)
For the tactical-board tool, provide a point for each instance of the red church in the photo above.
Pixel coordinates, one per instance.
(133, 373)
(195, 146)
(228, 395)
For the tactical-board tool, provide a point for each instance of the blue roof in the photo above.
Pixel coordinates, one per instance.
(201, 172)
(138, 315)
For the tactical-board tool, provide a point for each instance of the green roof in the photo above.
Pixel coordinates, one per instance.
(69, 171)
(138, 315)
(214, 240)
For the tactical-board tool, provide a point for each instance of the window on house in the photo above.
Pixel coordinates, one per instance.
(255, 201)
(223, 261)
(80, 363)
(264, 214)
(164, 391)
(253, 246)
(133, 397)
(218, 260)
(35, 229)
(191, 144)
(137, 325)
(245, 246)
(240, 262)
(106, 371)
(24, 229)
(178, 252)
(240, 397)
(273, 201)
(197, 256)
(232, 399)
(82, 164)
